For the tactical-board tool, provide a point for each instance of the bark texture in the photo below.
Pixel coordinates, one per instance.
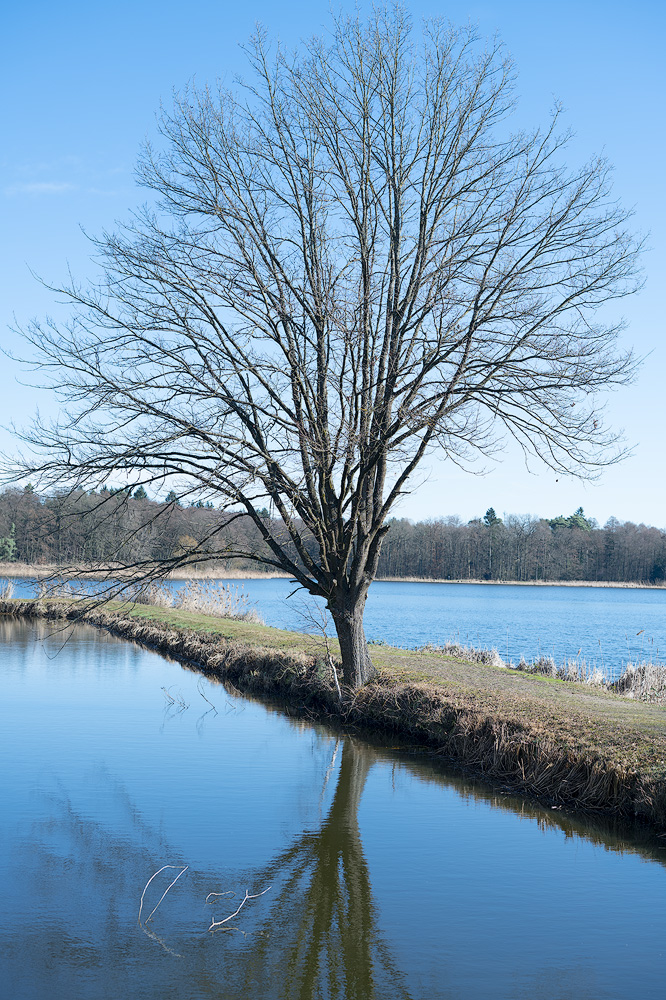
(357, 668)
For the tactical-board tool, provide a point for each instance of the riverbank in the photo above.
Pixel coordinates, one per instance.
(630, 585)
(17, 570)
(221, 572)
(565, 744)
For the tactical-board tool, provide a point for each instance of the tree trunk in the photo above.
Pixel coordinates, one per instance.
(347, 613)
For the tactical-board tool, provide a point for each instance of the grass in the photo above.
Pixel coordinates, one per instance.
(585, 719)
(206, 597)
(222, 571)
(213, 571)
(564, 743)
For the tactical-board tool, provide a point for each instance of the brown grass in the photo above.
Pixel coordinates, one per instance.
(564, 744)
(526, 583)
(222, 571)
(212, 571)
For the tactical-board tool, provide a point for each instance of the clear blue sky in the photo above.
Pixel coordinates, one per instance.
(82, 83)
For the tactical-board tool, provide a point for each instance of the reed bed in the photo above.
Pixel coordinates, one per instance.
(540, 757)
(21, 569)
(204, 597)
(642, 681)
(490, 657)
(207, 571)
(221, 571)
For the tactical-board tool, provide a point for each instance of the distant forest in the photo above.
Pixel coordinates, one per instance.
(125, 527)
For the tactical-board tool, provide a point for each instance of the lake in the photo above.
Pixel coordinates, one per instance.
(382, 875)
(606, 626)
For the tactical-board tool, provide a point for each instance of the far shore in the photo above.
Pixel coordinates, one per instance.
(18, 570)
(526, 583)
(39, 571)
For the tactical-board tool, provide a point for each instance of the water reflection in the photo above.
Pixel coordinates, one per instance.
(80, 887)
(618, 835)
(403, 884)
(321, 937)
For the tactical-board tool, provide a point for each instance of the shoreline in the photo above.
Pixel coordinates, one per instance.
(12, 571)
(608, 584)
(561, 744)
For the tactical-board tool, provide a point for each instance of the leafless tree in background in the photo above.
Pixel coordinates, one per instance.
(351, 261)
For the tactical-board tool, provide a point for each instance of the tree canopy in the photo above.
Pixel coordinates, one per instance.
(350, 261)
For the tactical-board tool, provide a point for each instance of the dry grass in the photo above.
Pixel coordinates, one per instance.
(11, 570)
(210, 571)
(204, 597)
(526, 583)
(467, 653)
(566, 744)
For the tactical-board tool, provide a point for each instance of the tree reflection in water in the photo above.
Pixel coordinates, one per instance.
(315, 935)
(321, 938)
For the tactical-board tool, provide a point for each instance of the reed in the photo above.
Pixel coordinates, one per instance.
(468, 654)
(642, 681)
(205, 597)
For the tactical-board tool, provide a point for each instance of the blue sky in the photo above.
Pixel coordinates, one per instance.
(82, 85)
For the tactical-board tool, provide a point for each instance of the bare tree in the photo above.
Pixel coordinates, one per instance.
(349, 261)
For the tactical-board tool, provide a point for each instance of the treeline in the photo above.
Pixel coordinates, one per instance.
(525, 548)
(112, 526)
(122, 527)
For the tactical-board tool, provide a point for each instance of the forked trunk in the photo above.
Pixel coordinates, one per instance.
(357, 668)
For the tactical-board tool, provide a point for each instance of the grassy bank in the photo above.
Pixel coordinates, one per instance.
(565, 744)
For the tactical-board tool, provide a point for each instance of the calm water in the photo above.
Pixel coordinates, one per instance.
(388, 878)
(602, 625)
(599, 624)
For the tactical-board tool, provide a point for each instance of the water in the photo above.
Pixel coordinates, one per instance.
(605, 626)
(388, 877)
(598, 624)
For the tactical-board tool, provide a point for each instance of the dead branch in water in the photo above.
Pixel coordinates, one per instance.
(218, 923)
(176, 700)
(183, 869)
(201, 692)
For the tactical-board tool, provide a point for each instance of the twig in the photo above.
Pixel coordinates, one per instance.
(210, 894)
(318, 617)
(183, 869)
(200, 690)
(219, 923)
(178, 700)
